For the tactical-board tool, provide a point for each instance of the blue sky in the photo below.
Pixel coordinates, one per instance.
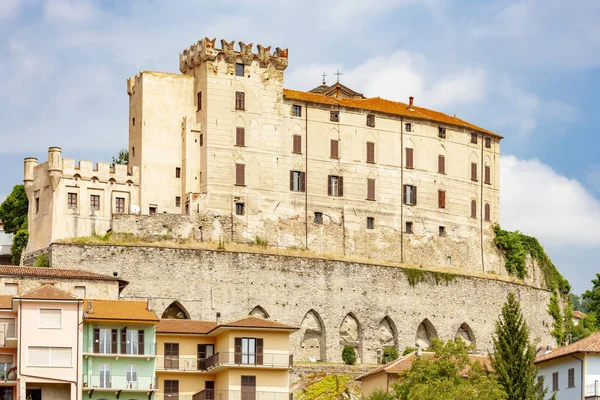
(529, 70)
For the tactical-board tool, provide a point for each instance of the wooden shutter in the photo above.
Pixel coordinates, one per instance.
(237, 355)
(297, 145)
(240, 136)
(329, 185)
(292, 180)
(441, 164)
(303, 181)
(473, 209)
(259, 351)
(488, 174)
(240, 174)
(201, 351)
(334, 149)
(487, 211)
(473, 171)
(113, 341)
(123, 340)
(404, 188)
(96, 347)
(414, 203)
(409, 158)
(340, 186)
(441, 198)
(371, 189)
(199, 99)
(370, 152)
(141, 342)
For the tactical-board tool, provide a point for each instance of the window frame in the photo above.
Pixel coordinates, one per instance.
(441, 164)
(199, 101)
(409, 227)
(555, 382)
(240, 69)
(487, 176)
(441, 132)
(40, 318)
(240, 172)
(334, 144)
(474, 170)
(474, 208)
(240, 136)
(487, 212)
(240, 101)
(318, 219)
(177, 201)
(72, 200)
(133, 371)
(441, 199)
(132, 335)
(370, 223)
(296, 111)
(120, 205)
(95, 202)
(442, 231)
(297, 181)
(473, 138)
(409, 195)
(177, 172)
(297, 144)
(408, 127)
(371, 194)
(240, 208)
(371, 152)
(488, 142)
(371, 120)
(335, 185)
(571, 378)
(49, 348)
(409, 155)
(334, 116)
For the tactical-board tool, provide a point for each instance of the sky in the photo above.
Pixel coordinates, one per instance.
(528, 70)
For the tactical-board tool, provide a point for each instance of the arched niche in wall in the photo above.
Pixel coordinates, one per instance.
(386, 333)
(465, 333)
(425, 332)
(312, 338)
(350, 333)
(260, 312)
(175, 311)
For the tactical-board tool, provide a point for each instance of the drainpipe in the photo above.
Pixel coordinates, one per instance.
(582, 387)
(306, 176)
(481, 179)
(402, 190)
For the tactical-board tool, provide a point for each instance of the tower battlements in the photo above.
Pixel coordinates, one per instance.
(205, 50)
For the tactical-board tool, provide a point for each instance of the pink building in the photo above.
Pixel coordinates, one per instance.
(8, 349)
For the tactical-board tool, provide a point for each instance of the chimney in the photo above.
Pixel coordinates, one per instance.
(419, 350)
(89, 307)
(218, 317)
(410, 101)
(548, 350)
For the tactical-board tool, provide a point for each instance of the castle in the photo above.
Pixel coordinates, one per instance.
(223, 152)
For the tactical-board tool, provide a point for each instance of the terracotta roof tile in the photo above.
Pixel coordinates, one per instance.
(122, 310)
(255, 322)
(588, 344)
(53, 273)
(48, 292)
(5, 302)
(385, 106)
(184, 326)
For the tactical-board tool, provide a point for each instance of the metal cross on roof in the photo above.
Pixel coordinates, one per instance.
(338, 73)
(324, 76)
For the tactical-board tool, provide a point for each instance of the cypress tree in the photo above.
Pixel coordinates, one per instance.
(513, 358)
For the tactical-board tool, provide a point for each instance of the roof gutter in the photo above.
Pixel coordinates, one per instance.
(582, 387)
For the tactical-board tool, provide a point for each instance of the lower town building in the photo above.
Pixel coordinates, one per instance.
(247, 359)
(8, 348)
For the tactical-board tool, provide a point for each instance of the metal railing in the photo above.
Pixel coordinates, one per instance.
(148, 350)
(162, 396)
(141, 382)
(211, 394)
(8, 328)
(280, 360)
(593, 389)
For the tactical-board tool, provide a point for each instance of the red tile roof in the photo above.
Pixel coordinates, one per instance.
(385, 106)
(122, 310)
(48, 292)
(7, 270)
(256, 322)
(184, 326)
(5, 302)
(589, 344)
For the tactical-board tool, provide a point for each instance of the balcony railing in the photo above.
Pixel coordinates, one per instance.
(149, 349)
(168, 363)
(592, 389)
(120, 382)
(211, 394)
(8, 330)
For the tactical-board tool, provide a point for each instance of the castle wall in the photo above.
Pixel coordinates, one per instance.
(334, 302)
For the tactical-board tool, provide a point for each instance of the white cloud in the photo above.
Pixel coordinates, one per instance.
(542, 203)
(10, 8)
(72, 11)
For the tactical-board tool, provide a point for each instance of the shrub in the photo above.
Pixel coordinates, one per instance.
(389, 354)
(42, 261)
(349, 355)
(260, 241)
(408, 350)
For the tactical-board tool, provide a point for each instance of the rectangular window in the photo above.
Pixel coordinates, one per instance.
(296, 111)
(6, 363)
(442, 231)
(199, 101)
(152, 210)
(133, 121)
(555, 381)
(441, 164)
(132, 345)
(37, 205)
(334, 116)
(297, 144)
(487, 212)
(488, 175)
(171, 357)
(177, 201)
(239, 69)
(240, 174)
(370, 189)
(177, 172)
(441, 198)
(297, 181)
(50, 318)
(335, 186)
(371, 120)
(442, 133)
(370, 223)
(410, 195)
(474, 138)
(171, 389)
(571, 378)
(473, 209)
(249, 351)
(334, 148)
(8, 326)
(131, 373)
(201, 140)
(540, 382)
(120, 205)
(409, 227)
(72, 200)
(95, 202)
(474, 172)
(240, 136)
(239, 208)
(488, 142)
(133, 152)
(240, 101)
(318, 217)
(370, 152)
(39, 356)
(408, 127)
(105, 376)
(410, 158)
(248, 388)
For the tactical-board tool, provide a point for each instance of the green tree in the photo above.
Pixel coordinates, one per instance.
(585, 327)
(122, 157)
(389, 354)
(593, 298)
(514, 356)
(558, 331)
(13, 210)
(19, 243)
(349, 355)
(328, 387)
(578, 303)
(448, 374)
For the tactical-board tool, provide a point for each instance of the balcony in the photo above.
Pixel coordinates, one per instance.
(210, 394)
(189, 364)
(148, 350)
(8, 332)
(118, 383)
(592, 391)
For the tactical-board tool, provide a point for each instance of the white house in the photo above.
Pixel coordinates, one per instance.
(572, 371)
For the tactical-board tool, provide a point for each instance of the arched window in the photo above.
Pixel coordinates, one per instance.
(473, 209)
(487, 211)
(176, 311)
